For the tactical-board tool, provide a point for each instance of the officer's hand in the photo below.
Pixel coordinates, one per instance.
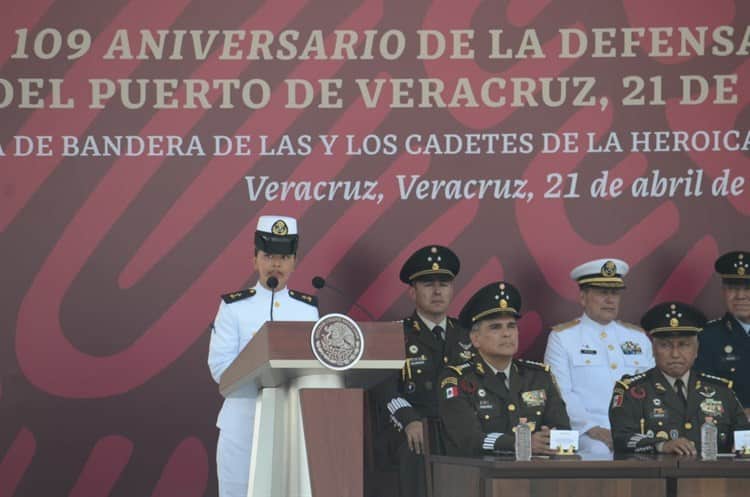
(601, 434)
(681, 447)
(540, 442)
(414, 436)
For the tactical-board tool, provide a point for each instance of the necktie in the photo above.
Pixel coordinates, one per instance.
(680, 393)
(439, 332)
(501, 376)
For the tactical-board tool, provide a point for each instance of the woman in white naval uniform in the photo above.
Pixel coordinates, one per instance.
(589, 354)
(240, 316)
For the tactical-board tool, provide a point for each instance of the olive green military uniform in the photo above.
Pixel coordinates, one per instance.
(479, 413)
(646, 410)
(427, 353)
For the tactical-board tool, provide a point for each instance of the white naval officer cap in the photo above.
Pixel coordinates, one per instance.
(605, 273)
(276, 235)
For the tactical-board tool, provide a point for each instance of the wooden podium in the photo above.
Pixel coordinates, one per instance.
(309, 420)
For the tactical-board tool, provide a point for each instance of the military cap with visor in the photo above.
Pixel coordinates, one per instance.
(277, 235)
(494, 300)
(734, 268)
(430, 262)
(602, 273)
(673, 319)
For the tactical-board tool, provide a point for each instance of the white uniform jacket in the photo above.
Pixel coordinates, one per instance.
(234, 326)
(587, 358)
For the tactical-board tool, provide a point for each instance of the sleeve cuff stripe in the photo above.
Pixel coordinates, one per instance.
(397, 403)
(489, 440)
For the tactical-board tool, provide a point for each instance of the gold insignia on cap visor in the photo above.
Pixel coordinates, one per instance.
(280, 228)
(503, 303)
(674, 322)
(609, 269)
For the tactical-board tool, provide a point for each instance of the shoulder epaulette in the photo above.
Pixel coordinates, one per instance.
(565, 326)
(459, 368)
(534, 364)
(303, 297)
(631, 326)
(717, 379)
(230, 298)
(628, 380)
(714, 321)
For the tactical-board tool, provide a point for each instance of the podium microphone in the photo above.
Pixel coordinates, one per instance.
(318, 282)
(272, 282)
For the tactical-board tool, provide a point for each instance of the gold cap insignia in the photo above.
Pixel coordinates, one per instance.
(741, 271)
(674, 322)
(609, 269)
(503, 303)
(280, 228)
(435, 266)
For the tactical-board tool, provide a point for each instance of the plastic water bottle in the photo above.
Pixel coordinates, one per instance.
(523, 442)
(709, 444)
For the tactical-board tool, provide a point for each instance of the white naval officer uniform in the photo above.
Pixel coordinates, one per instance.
(587, 358)
(234, 326)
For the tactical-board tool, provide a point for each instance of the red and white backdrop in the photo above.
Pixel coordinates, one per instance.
(141, 140)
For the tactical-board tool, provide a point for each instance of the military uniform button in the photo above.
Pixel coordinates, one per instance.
(613, 365)
(660, 423)
(539, 413)
(277, 304)
(486, 416)
(688, 425)
(588, 362)
(419, 371)
(603, 335)
(511, 407)
(733, 370)
(611, 347)
(445, 360)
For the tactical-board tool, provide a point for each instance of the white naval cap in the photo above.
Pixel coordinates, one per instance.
(276, 235)
(607, 273)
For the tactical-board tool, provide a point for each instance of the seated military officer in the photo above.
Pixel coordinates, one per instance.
(484, 398)
(589, 354)
(662, 410)
(725, 342)
(432, 339)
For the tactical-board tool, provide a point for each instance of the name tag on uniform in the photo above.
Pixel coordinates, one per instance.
(588, 351)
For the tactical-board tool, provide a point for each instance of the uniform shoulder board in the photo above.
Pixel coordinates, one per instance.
(631, 326)
(534, 364)
(713, 321)
(628, 380)
(303, 297)
(230, 298)
(411, 324)
(459, 368)
(716, 379)
(565, 326)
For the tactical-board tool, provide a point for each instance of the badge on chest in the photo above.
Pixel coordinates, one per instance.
(534, 398)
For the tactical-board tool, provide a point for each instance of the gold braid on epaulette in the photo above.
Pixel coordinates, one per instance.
(534, 364)
(565, 326)
(631, 326)
(717, 379)
(626, 382)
